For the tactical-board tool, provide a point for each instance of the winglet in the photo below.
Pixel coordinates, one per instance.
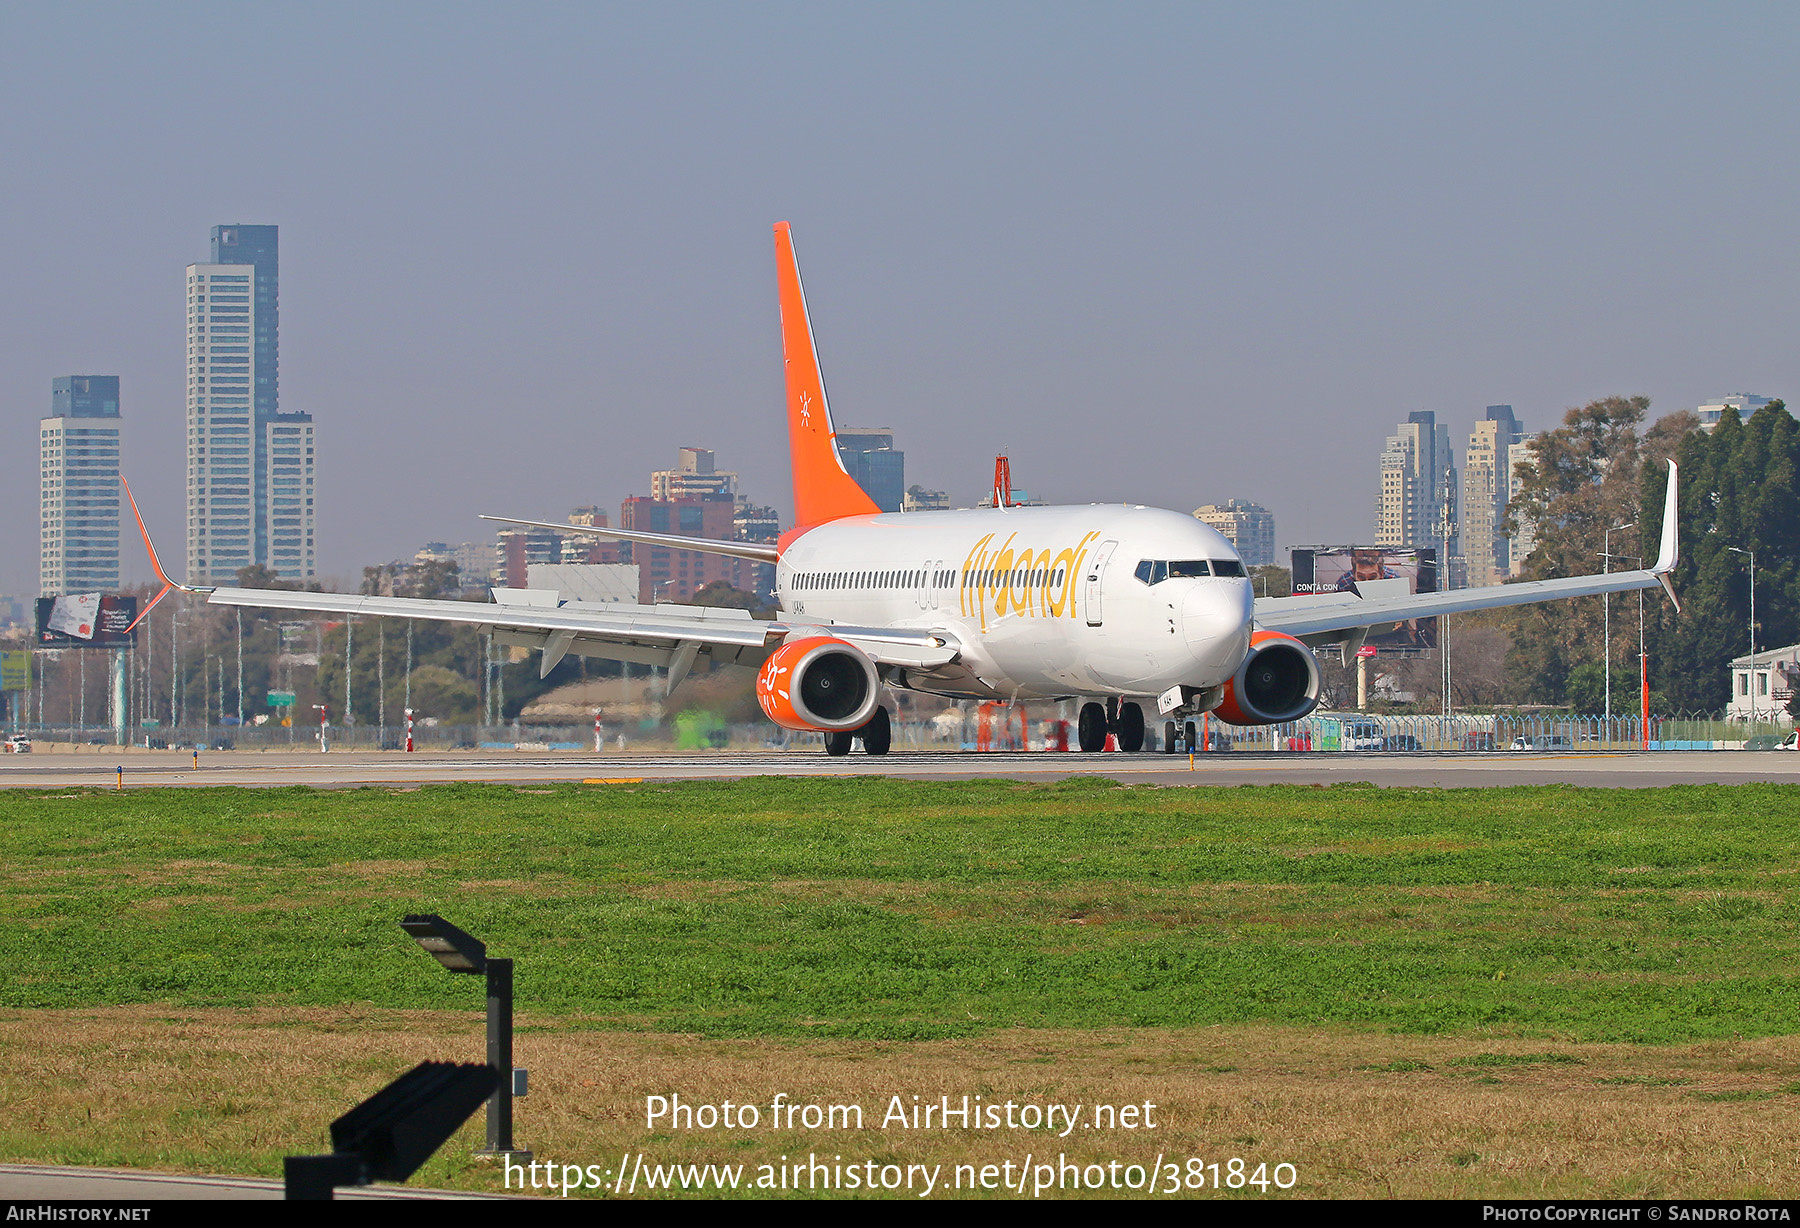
(823, 488)
(1670, 552)
(155, 563)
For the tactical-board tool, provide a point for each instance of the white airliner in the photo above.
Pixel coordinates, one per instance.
(1114, 604)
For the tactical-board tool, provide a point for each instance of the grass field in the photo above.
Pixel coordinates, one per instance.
(1520, 966)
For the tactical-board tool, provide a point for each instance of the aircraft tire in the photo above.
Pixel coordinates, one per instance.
(878, 735)
(1090, 730)
(1130, 728)
(1170, 737)
(838, 742)
(1191, 735)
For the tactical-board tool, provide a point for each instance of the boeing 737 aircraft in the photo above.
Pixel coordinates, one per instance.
(1114, 604)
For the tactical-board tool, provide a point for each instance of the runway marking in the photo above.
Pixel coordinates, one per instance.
(613, 780)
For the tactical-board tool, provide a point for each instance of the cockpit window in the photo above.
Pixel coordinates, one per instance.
(1155, 571)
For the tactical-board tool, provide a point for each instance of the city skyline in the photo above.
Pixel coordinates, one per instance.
(1091, 244)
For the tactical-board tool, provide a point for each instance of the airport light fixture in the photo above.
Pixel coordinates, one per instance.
(1752, 556)
(1606, 633)
(458, 951)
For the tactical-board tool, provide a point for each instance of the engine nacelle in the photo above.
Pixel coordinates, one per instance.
(819, 684)
(1278, 682)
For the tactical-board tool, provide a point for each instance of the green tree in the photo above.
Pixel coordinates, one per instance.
(1272, 580)
(1584, 476)
(1740, 486)
(439, 693)
(1586, 688)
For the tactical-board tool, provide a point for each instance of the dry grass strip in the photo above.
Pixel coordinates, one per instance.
(1357, 1114)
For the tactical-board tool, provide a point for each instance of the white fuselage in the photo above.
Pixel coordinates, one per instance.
(1043, 602)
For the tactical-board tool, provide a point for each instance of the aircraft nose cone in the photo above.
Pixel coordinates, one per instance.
(1215, 620)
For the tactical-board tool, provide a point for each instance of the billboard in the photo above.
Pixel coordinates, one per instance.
(1337, 569)
(85, 620)
(15, 671)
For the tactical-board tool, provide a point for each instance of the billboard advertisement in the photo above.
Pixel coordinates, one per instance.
(15, 671)
(85, 620)
(1337, 569)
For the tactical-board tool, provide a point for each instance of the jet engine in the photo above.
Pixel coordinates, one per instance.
(1278, 681)
(820, 684)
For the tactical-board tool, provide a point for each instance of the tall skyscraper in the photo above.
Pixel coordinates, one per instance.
(1487, 489)
(78, 492)
(1249, 527)
(250, 466)
(1418, 484)
(869, 457)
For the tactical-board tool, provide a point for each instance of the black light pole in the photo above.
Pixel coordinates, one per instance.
(458, 951)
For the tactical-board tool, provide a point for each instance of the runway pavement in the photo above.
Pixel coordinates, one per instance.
(54, 1183)
(350, 769)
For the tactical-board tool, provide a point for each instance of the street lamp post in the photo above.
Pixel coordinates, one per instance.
(1643, 662)
(1752, 556)
(1606, 622)
(458, 951)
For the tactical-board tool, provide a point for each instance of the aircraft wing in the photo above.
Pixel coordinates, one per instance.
(668, 636)
(1319, 615)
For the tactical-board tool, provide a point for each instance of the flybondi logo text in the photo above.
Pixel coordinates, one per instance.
(1019, 580)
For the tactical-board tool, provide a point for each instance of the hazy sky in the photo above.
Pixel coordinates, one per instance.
(1170, 254)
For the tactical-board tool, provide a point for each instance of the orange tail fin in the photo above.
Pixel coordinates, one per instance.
(155, 563)
(823, 489)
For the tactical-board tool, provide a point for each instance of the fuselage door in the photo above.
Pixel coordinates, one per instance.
(1092, 576)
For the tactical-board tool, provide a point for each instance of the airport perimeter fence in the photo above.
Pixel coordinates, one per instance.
(1047, 727)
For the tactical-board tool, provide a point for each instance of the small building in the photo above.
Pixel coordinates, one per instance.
(1762, 685)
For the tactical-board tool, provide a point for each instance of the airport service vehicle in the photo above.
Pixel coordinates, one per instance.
(1544, 741)
(18, 744)
(1119, 605)
(1791, 742)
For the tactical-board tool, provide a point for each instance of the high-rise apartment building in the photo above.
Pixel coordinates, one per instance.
(666, 574)
(1487, 489)
(1524, 536)
(869, 457)
(1249, 527)
(694, 476)
(250, 466)
(78, 491)
(1418, 486)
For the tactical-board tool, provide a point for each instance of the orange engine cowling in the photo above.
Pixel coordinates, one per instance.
(820, 684)
(1278, 682)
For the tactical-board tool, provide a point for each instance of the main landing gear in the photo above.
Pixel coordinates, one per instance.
(877, 736)
(1125, 721)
